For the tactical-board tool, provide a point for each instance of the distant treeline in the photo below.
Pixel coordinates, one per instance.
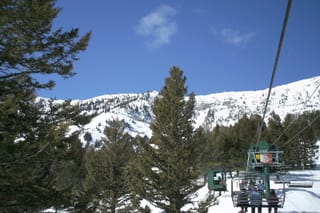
(296, 135)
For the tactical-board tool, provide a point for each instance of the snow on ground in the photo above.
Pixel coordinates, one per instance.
(304, 199)
(297, 199)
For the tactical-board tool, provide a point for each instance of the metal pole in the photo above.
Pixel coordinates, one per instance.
(266, 180)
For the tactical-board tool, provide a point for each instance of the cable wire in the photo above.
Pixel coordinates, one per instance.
(292, 122)
(284, 26)
(296, 135)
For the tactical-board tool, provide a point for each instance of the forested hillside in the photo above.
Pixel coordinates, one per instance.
(112, 153)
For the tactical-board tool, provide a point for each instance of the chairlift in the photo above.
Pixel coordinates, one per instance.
(303, 181)
(242, 187)
(263, 164)
(217, 180)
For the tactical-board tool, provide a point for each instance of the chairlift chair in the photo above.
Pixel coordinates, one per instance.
(217, 180)
(264, 160)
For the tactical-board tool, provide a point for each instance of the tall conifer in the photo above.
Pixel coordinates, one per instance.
(105, 171)
(37, 159)
(167, 167)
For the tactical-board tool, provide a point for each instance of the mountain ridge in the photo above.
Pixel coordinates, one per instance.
(223, 108)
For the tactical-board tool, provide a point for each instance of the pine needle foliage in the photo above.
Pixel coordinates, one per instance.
(29, 46)
(105, 171)
(167, 166)
(40, 165)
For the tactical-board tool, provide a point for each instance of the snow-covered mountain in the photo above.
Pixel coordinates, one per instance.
(219, 108)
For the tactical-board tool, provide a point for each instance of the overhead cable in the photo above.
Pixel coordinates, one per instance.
(296, 135)
(284, 26)
(292, 122)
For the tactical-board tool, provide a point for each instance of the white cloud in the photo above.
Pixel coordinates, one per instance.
(158, 26)
(233, 37)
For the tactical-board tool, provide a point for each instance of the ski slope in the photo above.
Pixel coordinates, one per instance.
(298, 199)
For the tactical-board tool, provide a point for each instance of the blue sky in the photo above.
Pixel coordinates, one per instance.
(221, 45)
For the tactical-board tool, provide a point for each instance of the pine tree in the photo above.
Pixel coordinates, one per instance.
(229, 145)
(291, 149)
(203, 147)
(165, 169)
(244, 132)
(38, 161)
(275, 129)
(28, 45)
(219, 138)
(307, 139)
(299, 140)
(37, 158)
(105, 170)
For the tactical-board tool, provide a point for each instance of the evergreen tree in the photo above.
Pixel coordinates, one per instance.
(220, 138)
(299, 140)
(229, 145)
(291, 149)
(244, 132)
(105, 171)
(38, 161)
(275, 129)
(306, 137)
(166, 168)
(201, 138)
(28, 46)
